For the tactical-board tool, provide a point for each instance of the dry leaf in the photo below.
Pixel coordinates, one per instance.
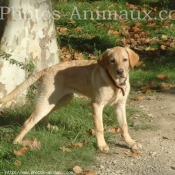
(64, 149)
(66, 57)
(165, 86)
(148, 48)
(162, 77)
(77, 169)
(61, 30)
(113, 129)
(144, 88)
(33, 145)
(138, 98)
(164, 37)
(114, 32)
(91, 132)
(77, 145)
(134, 154)
(21, 152)
(134, 29)
(166, 138)
(71, 22)
(163, 47)
(138, 24)
(78, 29)
(65, 49)
(17, 163)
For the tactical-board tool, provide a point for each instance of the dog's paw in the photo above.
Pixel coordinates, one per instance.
(104, 148)
(136, 146)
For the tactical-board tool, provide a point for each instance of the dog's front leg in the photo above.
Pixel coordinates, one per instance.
(121, 116)
(98, 123)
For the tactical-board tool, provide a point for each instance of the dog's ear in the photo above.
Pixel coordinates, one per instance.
(103, 59)
(133, 57)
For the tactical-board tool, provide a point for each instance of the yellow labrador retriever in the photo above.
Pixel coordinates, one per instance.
(106, 82)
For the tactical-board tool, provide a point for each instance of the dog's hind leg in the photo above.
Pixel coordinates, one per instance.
(42, 109)
(39, 112)
(66, 99)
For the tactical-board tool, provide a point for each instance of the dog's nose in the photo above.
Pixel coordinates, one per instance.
(120, 71)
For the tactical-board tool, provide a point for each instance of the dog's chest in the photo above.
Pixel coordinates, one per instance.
(109, 96)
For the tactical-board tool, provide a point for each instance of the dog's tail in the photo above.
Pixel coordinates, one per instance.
(31, 80)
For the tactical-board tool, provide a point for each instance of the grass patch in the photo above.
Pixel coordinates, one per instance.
(164, 65)
(73, 121)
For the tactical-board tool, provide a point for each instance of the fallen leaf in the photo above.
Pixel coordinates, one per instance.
(78, 29)
(163, 47)
(134, 153)
(152, 84)
(172, 167)
(134, 30)
(61, 30)
(113, 129)
(138, 98)
(164, 37)
(17, 163)
(21, 152)
(148, 48)
(66, 57)
(33, 145)
(64, 149)
(65, 49)
(131, 6)
(149, 91)
(91, 132)
(114, 32)
(162, 77)
(77, 170)
(166, 138)
(77, 145)
(138, 24)
(71, 22)
(165, 86)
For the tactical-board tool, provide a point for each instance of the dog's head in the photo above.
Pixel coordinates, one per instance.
(117, 61)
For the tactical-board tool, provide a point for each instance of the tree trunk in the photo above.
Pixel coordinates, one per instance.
(29, 35)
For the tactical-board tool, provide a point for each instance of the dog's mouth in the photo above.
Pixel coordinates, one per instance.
(120, 76)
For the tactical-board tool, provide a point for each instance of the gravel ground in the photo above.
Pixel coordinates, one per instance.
(158, 154)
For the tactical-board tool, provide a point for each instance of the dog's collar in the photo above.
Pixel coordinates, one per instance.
(119, 86)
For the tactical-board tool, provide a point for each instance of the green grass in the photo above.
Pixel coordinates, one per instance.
(73, 121)
(164, 65)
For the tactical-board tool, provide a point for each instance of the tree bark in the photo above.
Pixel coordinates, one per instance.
(29, 35)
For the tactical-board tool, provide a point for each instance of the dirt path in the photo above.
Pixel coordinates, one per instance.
(158, 154)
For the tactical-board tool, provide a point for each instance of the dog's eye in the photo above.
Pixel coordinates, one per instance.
(125, 59)
(113, 61)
